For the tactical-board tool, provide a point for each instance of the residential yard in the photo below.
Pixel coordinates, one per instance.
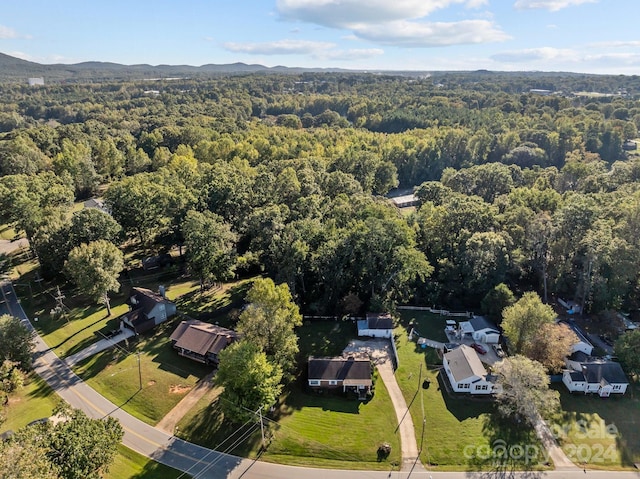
(307, 428)
(460, 431)
(35, 400)
(129, 464)
(166, 377)
(601, 433)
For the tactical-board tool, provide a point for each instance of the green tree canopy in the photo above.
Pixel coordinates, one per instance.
(210, 246)
(522, 321)
(250, 380)
(626, 348)
(16, 341)
(269, 321)
(94, 267)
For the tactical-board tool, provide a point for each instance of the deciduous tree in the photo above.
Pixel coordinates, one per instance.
(523, 389)
(16, 341)
(269, 321)
(250, 380)
(94, 267)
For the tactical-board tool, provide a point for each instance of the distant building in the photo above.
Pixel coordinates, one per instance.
(376, 325)
(35, 81)
(148, 309)
(201, 341)
(538, 91)
(597, 377)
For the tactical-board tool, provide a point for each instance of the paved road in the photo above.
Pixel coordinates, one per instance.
(204, 463)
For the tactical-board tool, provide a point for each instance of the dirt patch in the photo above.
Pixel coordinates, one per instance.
(179, 389)
(151, 383)
(378, 350)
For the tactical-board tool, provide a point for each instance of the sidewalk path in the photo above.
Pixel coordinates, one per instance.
(560, 459)
(169, 422)
(410, 454)
(98, 346)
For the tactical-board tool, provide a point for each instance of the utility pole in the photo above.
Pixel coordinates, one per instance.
(261, 425)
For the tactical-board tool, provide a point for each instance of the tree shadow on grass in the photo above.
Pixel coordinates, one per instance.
(513, 450)
(462, 406)
(210, 429)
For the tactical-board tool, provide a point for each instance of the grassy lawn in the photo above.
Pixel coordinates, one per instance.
(602, 433)
(332, 431)
(166, 377)
(129, 464)
(459, 431)
(35, 400)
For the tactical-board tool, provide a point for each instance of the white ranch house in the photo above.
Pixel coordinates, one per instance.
(465, 371)
(596, 377)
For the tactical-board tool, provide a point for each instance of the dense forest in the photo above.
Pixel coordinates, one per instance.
(288, 175)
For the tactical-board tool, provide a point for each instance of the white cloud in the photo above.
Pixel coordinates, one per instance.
(6, 32)
(416, 34)
(617, 44)
(280, 47)
(317, 50)
(536, 55)
(343, 13)
(551, 5)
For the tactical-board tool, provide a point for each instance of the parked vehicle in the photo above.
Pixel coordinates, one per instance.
(499, 351)
(479, 349)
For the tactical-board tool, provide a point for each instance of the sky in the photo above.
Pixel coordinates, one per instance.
(584, 36)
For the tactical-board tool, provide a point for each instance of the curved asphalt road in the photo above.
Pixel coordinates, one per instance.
(200, 462)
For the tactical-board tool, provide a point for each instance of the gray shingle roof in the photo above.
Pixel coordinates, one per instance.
(464, 363)
(480, 322)
(348, 370)
(612, 372)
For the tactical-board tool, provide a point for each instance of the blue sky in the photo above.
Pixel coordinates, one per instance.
(590, 36)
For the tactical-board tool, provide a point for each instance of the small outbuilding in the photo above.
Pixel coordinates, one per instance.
(376, 325)
(480, 329)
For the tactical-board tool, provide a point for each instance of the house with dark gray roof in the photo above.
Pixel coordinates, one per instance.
(147, 310)
(480, 329)
(201, 341)
(376, 325)
(350, 374)
(596, 377)
(465, 371)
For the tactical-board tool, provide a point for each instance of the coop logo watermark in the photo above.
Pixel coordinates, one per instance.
(499, 452)
(578, 440)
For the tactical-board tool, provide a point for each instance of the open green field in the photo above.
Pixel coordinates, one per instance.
(459, 431)
(602, 433)
(164, 376)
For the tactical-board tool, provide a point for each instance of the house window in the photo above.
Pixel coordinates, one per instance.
(481, 387)
(333, 382)
(314, 382)
(463, 385)
(616, 387)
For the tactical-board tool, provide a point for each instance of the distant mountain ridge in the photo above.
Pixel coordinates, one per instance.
(16, 69)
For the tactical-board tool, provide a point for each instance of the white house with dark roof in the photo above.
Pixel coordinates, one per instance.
(465, 371)
(582, 344)
(596, 377)
(376, 325)
(480, 329)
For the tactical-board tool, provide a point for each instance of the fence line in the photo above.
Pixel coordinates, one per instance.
(441, 312)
